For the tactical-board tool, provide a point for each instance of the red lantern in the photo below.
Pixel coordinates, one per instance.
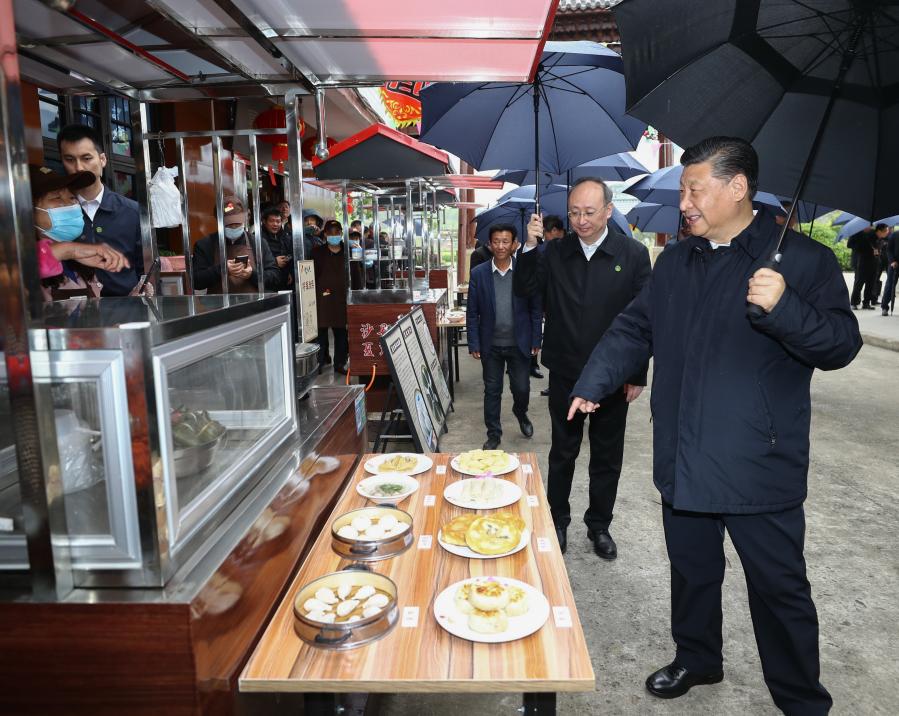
(276, 118)
(307, 148)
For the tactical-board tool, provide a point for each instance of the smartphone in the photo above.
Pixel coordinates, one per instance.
(143, 279)
(245, 259)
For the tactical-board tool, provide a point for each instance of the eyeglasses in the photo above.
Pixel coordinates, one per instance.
(588, 214)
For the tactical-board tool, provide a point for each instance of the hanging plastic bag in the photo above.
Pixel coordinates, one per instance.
(165, 199)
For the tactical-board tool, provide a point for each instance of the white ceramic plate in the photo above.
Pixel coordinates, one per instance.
(365, 487)
(454, 315)
(424, 462)
(512, 466)
(510, 495)
(471, 554)
(456, 623)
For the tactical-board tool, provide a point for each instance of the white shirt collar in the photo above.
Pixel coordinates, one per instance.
(90, 206)
(715, 245)
(590, 249)
(496, 269)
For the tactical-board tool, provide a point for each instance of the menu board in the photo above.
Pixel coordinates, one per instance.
(423, 373)
(438, 380)
(308, 310)
(410, 395)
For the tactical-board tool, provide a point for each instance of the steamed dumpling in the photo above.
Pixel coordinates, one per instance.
(360, 524)
(327, 617)
(364, 592)
(346, 607)
(326, 595)
(387, 523)
(370, 611)
(375, 532)
(348, 532)
(343, 591)
(316, 605)
(378, 600)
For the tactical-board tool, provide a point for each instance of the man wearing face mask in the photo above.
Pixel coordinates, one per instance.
(242, 264)
(109, 217)
(331, 284)
(65, 265)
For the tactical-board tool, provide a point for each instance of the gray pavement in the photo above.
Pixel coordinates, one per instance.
(851, 551)
(877, 330)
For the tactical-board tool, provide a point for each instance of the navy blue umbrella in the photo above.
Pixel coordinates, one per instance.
(844, 217)
(661, 218)
(571, 113)
(615, 167)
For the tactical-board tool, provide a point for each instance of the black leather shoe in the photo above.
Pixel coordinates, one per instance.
(674, 680)
(535, 372)
(884, 312)
(868, 308)
(491, 444)
(603, 544)
(545, 392)
(527, 427)
(562, 536)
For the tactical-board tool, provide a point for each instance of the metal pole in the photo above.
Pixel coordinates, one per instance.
(321, 150)
(220, 210)
(143, 174)
(425, 233)
(185, 218)
(257, 224)
(435, 220)
(293, 191)
(410, 237)
(31, 406)
(346, 238)
(392, 238)
(376, 235)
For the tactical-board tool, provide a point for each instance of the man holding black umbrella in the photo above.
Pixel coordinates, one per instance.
(584, 280)
(731, 411)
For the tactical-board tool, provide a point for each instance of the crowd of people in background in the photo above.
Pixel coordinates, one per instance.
(875, 250)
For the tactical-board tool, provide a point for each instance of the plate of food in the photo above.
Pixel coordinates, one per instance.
(454, 316)
(482, 493)
(482, 462)
(491, 609)
(408, 463)
(484, 536)
(387, 488)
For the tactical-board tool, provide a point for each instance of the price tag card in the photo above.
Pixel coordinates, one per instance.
(526, 469)
(562, 617)
(425, 541)
(410, 617)
(532, 501)
(543, 544)
(441, 469)
(430, 500)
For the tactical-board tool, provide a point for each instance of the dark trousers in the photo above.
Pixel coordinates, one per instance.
(784, 619)
(890, 288)
(494, 366)
(864, 286)
(341, 346)
(606, 435)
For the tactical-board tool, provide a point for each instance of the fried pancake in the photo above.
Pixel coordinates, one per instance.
(453, 532)
(487, 535)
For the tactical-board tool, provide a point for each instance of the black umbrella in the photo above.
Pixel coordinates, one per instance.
(813, 85)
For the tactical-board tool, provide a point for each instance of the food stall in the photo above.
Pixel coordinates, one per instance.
(161, 478)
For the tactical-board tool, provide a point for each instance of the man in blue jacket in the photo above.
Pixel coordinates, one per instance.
(109, 217)
(503, 330)
(731, 409)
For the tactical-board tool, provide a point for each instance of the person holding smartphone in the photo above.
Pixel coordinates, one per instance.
(242, 264)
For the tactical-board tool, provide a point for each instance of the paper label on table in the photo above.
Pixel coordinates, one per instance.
(410, 617)
(425, 541)
(430, 500)
(532, 501)
(526, 469)
(543, 544)
(441, 469)
(562, 617)
(6, 524)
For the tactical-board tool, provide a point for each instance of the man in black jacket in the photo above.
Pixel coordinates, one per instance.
(731, 410)
(892, 253)
(584, 281)
(280, 243)
(865, 244)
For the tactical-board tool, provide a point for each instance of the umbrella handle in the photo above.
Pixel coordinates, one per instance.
(753, 310)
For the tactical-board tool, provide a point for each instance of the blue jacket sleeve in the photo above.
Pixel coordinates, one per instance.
(816, 326)
(622, 351)
(473, 315)
(535, 313)
(641, 276)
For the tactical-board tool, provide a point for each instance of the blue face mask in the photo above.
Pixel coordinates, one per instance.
(233, 232)
(335, 240)
(66, 222)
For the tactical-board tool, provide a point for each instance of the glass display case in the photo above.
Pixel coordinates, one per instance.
(167, 412)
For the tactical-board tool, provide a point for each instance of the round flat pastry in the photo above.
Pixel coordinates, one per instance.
(453, 532)
(492, 622)
(488, 595)
(487, 535)
(510, 518)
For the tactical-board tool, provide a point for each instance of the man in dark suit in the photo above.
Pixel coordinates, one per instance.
(584, 280)
(865, 244)
(504, 330)
(731, 410)
(892, 253)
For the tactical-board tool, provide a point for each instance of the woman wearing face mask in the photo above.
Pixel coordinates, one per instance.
(242, 265)
(58, 222)
(331, 288)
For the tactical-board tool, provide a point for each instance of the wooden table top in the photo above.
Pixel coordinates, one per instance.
(460, 323)
(425, 658)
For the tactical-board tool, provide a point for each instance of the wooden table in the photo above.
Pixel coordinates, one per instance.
(425, 658)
